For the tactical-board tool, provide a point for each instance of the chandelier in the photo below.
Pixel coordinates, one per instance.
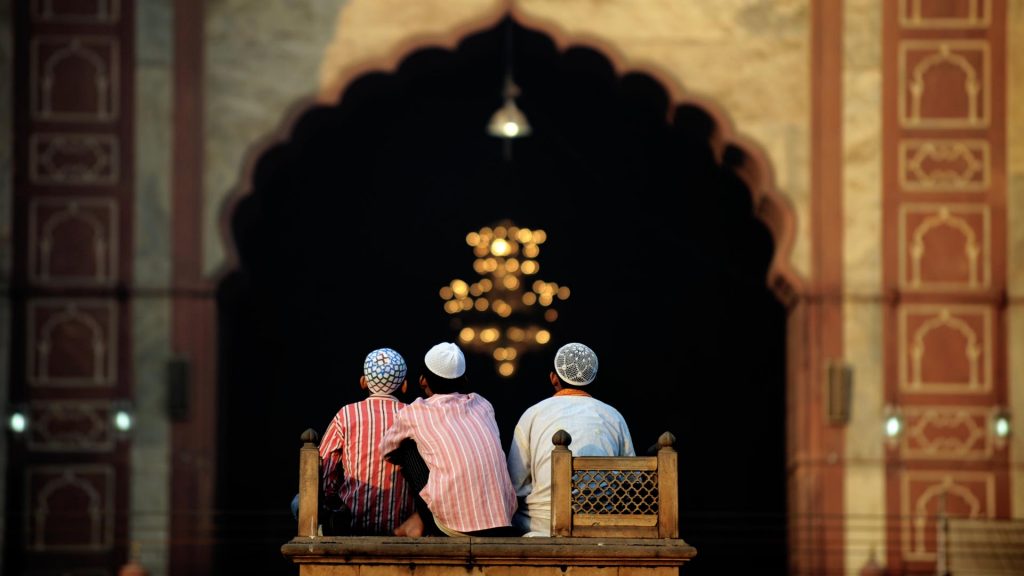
(507, 310)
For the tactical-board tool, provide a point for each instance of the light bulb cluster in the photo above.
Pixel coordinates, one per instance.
(502, 313)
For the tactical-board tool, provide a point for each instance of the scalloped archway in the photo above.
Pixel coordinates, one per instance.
(663, 221)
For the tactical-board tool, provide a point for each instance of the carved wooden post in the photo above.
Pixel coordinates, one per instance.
(668, 487)
(561, 467)
(309, 484)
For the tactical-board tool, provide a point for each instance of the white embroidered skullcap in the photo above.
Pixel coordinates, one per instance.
(385, 371)
(446, 360)
(576, 364)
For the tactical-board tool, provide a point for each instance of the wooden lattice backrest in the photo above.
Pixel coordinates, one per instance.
(600, 496)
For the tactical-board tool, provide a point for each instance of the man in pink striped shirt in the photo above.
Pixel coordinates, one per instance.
(367, 494)
(459, 472)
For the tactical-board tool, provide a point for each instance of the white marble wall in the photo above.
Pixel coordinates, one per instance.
(150, 513)
(1015, 252)
(261, 59)
(376, 34)
(6, 219)
(864, 482)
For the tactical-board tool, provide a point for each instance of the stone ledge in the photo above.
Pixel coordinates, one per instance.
(483, 552)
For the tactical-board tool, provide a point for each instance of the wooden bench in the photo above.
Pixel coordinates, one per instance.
(610, 517)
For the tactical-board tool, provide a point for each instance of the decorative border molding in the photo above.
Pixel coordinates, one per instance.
(97, 414)
(973, 153)
(98, 159)
(975, 443)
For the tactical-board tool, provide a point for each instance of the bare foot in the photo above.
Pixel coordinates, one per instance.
(412, 527)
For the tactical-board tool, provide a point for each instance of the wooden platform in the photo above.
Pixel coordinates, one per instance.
(634, 534)
(379, 556)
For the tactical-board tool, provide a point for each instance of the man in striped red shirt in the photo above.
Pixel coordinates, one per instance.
(460, 472)
(370, 493)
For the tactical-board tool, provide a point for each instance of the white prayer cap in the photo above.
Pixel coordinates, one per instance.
(576, 364)
(446, 360)
(385, 371)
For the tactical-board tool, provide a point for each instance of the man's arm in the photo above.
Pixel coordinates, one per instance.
(331, 469)
(519, 464)
(402, 428)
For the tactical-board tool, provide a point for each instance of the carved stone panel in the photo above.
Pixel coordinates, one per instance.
(74, 78)
(944, 247)
(70, 508)
(74, 159)
(73, 241)
(944, 84)
(71, 426)
(946, 433)
(944, 165)
(76, 11)
(926, 494)
(945, 349)
(72, 342)
(948, 14)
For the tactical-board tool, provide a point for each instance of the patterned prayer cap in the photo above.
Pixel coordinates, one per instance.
(384, 370)
(576, 364)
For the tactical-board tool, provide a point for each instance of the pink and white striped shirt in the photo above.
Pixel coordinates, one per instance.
(456, 434)
(373, 489)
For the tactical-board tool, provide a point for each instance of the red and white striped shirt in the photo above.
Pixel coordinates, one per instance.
(373, 489)
(456, 434)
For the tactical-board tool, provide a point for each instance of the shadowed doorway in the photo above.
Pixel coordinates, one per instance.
(360, 216)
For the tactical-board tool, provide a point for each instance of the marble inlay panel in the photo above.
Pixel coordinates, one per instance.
(73, 241)
(944, 247)
(945, 349)
(70, 508)
(74, 159)
(71, 426)
(946, 433)
(74, 78)
(945, 165)
(72, 342)
(944, 84)
(923, 494)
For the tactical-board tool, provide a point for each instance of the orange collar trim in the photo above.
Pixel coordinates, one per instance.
(571, 392)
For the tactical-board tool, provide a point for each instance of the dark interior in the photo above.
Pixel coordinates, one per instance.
(356, 221)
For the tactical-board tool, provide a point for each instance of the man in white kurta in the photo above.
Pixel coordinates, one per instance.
(597, 429)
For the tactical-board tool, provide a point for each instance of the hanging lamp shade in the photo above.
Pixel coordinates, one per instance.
(509, 121)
